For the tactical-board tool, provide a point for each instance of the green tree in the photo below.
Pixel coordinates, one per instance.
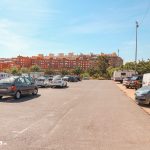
(15, 71)
(129, 66)
(64, 72)
(110, 71)
(49, 72)
(143, 67)
(92, 71)
(102, 65)
(35, 68)
(24, 70)
(77, 71)
(85, 75)
(7, 71)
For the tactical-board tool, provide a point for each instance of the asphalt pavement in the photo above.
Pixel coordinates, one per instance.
(88, 115)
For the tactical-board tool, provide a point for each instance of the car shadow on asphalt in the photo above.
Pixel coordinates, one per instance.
(24, 98)
(60, 87)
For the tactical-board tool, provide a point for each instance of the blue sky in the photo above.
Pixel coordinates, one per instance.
(29, 27)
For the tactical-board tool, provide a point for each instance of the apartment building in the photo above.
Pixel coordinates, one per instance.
(114, 60)
(6, 65)
(61, 61)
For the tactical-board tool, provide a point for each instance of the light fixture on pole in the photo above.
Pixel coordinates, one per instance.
(137, 25)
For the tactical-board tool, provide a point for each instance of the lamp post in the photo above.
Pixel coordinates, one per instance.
(118, 52)
(137, 25)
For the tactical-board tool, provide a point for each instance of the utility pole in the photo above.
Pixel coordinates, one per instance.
(137, 25)
(118, 52)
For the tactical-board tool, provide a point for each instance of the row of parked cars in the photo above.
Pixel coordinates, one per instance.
(134, 82)
(19, 85)
(56, 81)
(141, 83)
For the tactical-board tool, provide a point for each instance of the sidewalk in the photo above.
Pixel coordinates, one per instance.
(130, 94)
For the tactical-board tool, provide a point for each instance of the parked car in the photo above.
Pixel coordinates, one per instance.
(50, 77)
(17, 86)
(69, 78)
(119, 75)
(4, 75)
(73, 79)
(86, 78)
(146, 79)
(58, 82)
(28, 76)
(135, 82)
(78, 78)
(142, 95)
(66, 78)
(36, 75)
(126, 80)
(43, 81)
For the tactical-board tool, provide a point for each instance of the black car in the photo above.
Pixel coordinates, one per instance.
(17, 86)
(72, 79)
(69, 78)
(78, 78)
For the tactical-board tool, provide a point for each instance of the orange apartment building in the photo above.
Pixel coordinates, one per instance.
(6, 64)
(59, 62)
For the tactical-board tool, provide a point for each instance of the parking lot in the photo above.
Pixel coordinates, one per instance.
(87, 115)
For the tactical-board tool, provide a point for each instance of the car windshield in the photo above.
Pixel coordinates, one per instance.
(134, 78)
(58, 77)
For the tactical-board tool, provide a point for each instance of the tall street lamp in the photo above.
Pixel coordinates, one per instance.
(137, 25)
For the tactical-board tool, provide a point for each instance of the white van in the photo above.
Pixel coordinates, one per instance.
(146, 79)
(121, 74)
(3, 75)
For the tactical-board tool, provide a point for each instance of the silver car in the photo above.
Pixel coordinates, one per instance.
(58, 82)
(43, 81)
(142, 95)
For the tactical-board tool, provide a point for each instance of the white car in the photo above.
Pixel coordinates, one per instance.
(43, 81)
(58, 82)
(146, 79)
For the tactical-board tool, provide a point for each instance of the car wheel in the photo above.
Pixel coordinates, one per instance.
(18, 95)
(35, 91)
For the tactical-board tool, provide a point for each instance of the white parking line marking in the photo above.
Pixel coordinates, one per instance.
(49, 115)
(3, 143)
